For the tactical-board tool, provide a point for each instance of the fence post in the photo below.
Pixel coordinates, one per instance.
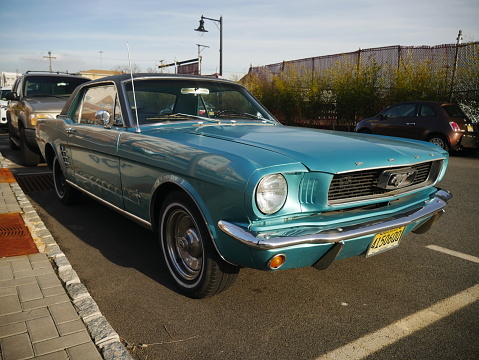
(456, 56)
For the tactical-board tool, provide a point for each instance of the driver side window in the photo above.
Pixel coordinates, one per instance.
(103, 97)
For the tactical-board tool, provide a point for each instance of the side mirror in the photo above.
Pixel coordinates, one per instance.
(12, 95)
(382, 116)
(103, 117)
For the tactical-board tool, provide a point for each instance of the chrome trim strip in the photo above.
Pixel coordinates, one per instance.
(135, 218)
(437, 204)
(389, 166)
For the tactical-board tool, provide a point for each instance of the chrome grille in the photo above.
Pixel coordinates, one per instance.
(359, 184)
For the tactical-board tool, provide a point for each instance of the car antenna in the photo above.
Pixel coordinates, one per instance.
(138, 130)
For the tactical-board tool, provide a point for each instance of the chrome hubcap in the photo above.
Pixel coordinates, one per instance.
(184, 244)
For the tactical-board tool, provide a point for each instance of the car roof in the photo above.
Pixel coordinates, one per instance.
(43, 73)
(426, 102)
(123, 77)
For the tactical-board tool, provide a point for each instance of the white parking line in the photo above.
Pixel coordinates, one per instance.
(454, 253)
(390, 334)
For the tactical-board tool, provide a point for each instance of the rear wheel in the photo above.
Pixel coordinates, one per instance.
(65, 192)
(188, 249)
(440, 141)
(30, 158)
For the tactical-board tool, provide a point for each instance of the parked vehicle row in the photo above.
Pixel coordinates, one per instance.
(225, 185)
(36, 95)
(443, 124)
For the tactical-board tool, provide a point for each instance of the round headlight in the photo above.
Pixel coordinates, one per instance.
(271, 193)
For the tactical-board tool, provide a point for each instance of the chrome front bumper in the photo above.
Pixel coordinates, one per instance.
(434, 208)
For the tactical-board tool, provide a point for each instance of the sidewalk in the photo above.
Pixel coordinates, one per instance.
(45, 311)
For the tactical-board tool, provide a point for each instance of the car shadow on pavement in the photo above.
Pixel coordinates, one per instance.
(81, 228)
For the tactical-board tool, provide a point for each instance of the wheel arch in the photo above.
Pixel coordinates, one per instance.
(364, 130)
(172, 184)
(167, 186)
(49, 155)
(441, 135)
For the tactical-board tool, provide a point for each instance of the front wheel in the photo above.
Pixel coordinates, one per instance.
(65, 192)
(188, 250)
(30, 158)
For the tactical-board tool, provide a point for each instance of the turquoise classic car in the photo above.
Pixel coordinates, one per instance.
(226, 186)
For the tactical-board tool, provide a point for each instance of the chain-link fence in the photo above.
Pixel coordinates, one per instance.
(451, 70)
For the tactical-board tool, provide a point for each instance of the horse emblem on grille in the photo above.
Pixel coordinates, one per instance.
(396, 179)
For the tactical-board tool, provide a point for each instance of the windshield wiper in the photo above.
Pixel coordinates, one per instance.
(198, 117)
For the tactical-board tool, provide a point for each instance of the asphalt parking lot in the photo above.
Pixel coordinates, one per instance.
(418, 301)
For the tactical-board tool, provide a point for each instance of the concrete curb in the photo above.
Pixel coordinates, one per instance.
(103, 335)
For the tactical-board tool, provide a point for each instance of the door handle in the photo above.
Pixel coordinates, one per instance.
(410, 123)
(70, 130)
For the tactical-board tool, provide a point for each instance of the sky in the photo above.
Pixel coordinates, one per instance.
(96, 34)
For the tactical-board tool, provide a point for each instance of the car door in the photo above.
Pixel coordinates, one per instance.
(398, 120)
(92, 139)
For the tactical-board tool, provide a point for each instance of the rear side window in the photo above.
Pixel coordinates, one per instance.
(426, 110)
(453, 111)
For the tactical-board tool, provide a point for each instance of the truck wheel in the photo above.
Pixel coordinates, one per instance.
(12, 143)
(188, 250)
(67, 194)
(30, 158)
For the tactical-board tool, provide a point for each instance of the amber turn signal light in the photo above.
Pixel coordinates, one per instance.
(277, 261)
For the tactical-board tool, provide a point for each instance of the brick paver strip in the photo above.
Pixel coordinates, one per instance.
(64, 312)
(48, 281)
(23, 316)
(12, 329)
(42, 329)
(7, 291)
(10, 305)
(17, 282)
(29, 292)
(34, 307)
(61, 343)
(57, 290)
(17, 347)
(85, 351)
(70, 327)
(31, 273)
(35, 304)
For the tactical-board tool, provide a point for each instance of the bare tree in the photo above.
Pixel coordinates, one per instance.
(126, 68)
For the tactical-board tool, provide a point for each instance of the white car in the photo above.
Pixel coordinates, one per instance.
(3, 106)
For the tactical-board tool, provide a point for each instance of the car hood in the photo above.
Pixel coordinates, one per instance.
(324, 150)
(49, 104)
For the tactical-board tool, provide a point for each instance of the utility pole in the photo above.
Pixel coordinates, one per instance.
(50, 57)
(101, 58)
(200, 58)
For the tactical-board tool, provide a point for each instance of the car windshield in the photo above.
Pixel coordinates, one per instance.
(161, 100)
(37, 86)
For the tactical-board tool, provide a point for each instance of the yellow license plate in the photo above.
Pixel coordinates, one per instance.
(385, 241)
(470, 128)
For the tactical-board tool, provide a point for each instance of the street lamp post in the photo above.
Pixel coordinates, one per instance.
(201, 28)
